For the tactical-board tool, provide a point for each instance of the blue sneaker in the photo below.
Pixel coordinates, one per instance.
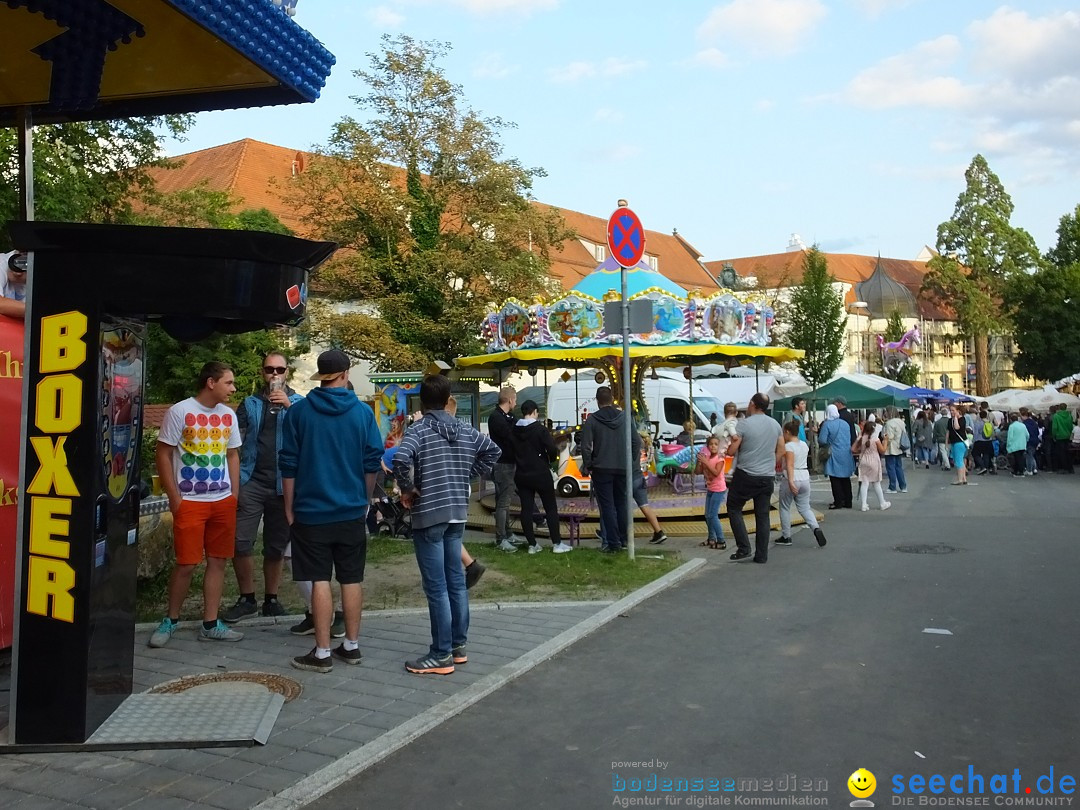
(219, 632)
(161, 636)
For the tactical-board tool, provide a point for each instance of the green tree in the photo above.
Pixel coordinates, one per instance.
(894, 330)
(1067, 249)
(1050, 296)
(978, 252)
(435, 222)
(93, 171)
(817, 320)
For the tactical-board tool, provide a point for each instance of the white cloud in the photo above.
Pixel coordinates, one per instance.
(711, 57)
(492, 66)
(385, 17)
(875, 8)
(762, 26)
(1010, 85)
(612, 66)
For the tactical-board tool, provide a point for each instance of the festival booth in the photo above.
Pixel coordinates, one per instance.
(858, 397)
(90, 291)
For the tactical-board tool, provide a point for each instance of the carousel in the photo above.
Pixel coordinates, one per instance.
(689, 328)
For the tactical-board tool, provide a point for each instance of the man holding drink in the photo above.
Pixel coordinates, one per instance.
(259, 419)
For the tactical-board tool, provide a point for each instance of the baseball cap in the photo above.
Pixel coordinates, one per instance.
(840, 400)
(331, 363)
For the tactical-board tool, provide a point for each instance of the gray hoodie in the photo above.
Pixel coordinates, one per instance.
(603, 445)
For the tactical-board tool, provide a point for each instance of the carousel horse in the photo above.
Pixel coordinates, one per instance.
(896, 355)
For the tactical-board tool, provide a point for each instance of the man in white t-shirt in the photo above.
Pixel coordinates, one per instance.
(199, 466)
(13, 284)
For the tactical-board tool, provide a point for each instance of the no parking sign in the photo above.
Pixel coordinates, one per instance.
(625, 237)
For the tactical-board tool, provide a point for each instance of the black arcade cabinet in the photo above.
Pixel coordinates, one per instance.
(94, 287)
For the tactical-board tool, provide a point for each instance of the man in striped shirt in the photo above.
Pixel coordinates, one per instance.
(435, 463)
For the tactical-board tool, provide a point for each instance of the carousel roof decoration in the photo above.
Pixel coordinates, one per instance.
(68, 60)
(687, 325)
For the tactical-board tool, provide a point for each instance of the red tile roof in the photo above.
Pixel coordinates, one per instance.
(785, 270)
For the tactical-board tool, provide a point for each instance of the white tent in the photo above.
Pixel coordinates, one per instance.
(1010, 399)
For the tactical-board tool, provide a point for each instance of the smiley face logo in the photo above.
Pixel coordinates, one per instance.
(188, 433)
(203, 433)
(215, 433)
(862, 783)
(202, 448)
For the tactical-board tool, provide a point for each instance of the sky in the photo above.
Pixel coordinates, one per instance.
(848, 122)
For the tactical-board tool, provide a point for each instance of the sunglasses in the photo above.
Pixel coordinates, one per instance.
(275, 369)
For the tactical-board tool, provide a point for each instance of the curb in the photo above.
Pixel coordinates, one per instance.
(326, 779)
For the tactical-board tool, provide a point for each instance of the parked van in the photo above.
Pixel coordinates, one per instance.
(667, 399)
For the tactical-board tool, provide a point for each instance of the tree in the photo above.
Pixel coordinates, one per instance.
(1050, 296)
(435, 223)
(978, 252)
(894, 330)
(92, 171)
(817, 320)
(1067, 249)
(203, 207)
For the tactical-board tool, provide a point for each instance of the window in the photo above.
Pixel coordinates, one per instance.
(654, 262)
(948, 347)
(676, 411)
(601, 253)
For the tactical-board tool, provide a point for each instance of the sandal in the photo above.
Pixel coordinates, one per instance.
(722, 546)
(714, 544)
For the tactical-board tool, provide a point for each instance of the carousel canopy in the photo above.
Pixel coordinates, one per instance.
(70, 60)
(675, 354)
(640, 278)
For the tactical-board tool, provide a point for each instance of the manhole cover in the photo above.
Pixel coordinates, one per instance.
(927, 548)
(231, 681)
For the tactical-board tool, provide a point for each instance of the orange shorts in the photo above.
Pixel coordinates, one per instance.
(204, 527)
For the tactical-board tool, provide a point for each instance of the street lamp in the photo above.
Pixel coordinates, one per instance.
(860, 308)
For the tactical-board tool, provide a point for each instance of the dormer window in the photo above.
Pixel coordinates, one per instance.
(600, 251)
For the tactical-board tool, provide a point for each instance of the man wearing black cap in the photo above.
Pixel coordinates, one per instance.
(13, 284)
(330, 453)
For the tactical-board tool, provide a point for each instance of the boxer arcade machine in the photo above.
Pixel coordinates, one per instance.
(94, 288)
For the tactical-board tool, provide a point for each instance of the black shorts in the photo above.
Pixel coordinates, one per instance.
(324, 549)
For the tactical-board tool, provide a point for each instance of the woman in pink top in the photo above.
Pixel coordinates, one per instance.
(711, 463)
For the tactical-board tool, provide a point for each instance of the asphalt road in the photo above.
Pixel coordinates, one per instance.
(813, 665)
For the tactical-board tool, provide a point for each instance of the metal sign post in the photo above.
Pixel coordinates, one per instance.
(626, 241)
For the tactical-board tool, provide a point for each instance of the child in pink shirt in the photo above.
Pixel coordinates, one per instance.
(711, 462)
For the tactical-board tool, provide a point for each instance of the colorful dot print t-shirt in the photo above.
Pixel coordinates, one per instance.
(201, 438)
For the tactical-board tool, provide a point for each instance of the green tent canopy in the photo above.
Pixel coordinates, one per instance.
(859, 397)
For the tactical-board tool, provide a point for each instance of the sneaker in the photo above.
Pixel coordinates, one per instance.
(348, 656)
(507, 546)
(739, 556)
(272, 607)
(304, 628)
(337, 627)
(535, 548)
(430, 665)
(783, 541)
(610, 549)
(243, 609)
(518, 541)
(885, 506)
(820, 535)
(864, 508)
(459, 655)
(161, 636)
(891, 491)
(983, 471)
(311, 663)
(473, 572)
(903, 491)
(658, 538)
(562, 548)
(1028, 472)
(219, 632)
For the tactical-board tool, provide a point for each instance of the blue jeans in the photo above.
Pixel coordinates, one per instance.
(610, 489)
(438, 555)
(922, 454)
(713, 502)
(894, 466)
(1031, 465)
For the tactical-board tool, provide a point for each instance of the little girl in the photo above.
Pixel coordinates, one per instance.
(795, 486)
(869, 449)
(711, 463)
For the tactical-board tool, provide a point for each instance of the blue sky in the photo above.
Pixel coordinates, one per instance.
(849, 122)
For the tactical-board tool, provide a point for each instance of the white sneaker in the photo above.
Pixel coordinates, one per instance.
(517, 541)
(885, 506)
(865, 508)
(562, 548)
(507, 546)
(535, 548)
(903, 491)
(1028, 472)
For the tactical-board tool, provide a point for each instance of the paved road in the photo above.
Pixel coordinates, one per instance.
(814, 665)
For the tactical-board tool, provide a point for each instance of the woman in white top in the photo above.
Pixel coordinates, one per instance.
(796, 486)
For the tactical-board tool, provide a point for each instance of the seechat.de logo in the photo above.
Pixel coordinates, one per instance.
(862, 785)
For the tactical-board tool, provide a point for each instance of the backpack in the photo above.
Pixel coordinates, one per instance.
(988, 429)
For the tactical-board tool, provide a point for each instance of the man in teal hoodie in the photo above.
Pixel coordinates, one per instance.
(330, 453)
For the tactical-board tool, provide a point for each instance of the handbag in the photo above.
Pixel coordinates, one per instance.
(824, 452)
(905, 442)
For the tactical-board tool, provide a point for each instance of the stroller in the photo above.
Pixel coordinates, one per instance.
(394, 519)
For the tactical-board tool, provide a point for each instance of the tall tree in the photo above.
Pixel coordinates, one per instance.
(978, 252)
(1067, 249)
(816, 320)
(87, 172)
(435, 222)
(1049, 297)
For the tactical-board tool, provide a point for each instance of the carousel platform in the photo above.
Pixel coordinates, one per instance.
(681, 513)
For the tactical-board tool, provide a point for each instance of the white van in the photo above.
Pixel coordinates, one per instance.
(667, 399)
